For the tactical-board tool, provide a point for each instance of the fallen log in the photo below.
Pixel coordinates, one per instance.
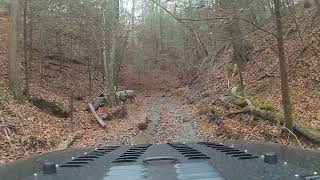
(64, 59)
(297, 127)
(237, 112)
(101, 99)
(313, 136)
(69, 141)
(270, 116)
(121, 95)
(57, 64)
(126, 95)
(267, 75)
(97, 102)
(96, 116)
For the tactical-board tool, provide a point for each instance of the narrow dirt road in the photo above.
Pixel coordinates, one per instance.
(167, 122)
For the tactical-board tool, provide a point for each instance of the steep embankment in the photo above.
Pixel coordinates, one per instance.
(25, 130)
(262, 81)
(28, 130)
(31, 131)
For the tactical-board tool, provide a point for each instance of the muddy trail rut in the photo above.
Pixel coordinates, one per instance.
(167, 122)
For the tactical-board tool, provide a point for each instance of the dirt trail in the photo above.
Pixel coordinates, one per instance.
(167, 122)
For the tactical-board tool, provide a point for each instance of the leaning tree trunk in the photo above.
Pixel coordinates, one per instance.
(283, 69)
(14, 63)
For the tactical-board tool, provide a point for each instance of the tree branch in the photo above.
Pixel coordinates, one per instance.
(186, 25)
(242, 19)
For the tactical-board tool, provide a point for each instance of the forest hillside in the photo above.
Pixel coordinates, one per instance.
(262, 79)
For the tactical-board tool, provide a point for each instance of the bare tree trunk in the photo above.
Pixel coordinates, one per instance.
(113, 54)
(283, 69)
(60, 52)
(30, 42)
(109, 66)
(46, 48)
(72, 105)
(270, 4)
(42, 54)
(25, 37)
(161, 30)
(14, 63)
(239, 52)
(90, 73)
(155, 46)
(104, 51)
(133, 15)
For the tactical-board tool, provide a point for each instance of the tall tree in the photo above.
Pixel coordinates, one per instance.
(133, 15)
(239, 53)
(317, 2)
(110, 64)
(286, 104)
(25, 37)
(14, 63)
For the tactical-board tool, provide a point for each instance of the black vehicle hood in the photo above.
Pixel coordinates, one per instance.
(186, 161)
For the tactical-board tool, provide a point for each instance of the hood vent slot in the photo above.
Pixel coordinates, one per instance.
(229, 150)
(81, 161)
(132, 154)
(72, 165)
(189, 152)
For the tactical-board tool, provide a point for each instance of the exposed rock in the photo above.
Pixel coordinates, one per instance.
(142, 126)
(50, 107)
(144, 123)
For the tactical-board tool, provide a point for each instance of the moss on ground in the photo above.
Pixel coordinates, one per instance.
(264, 106)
